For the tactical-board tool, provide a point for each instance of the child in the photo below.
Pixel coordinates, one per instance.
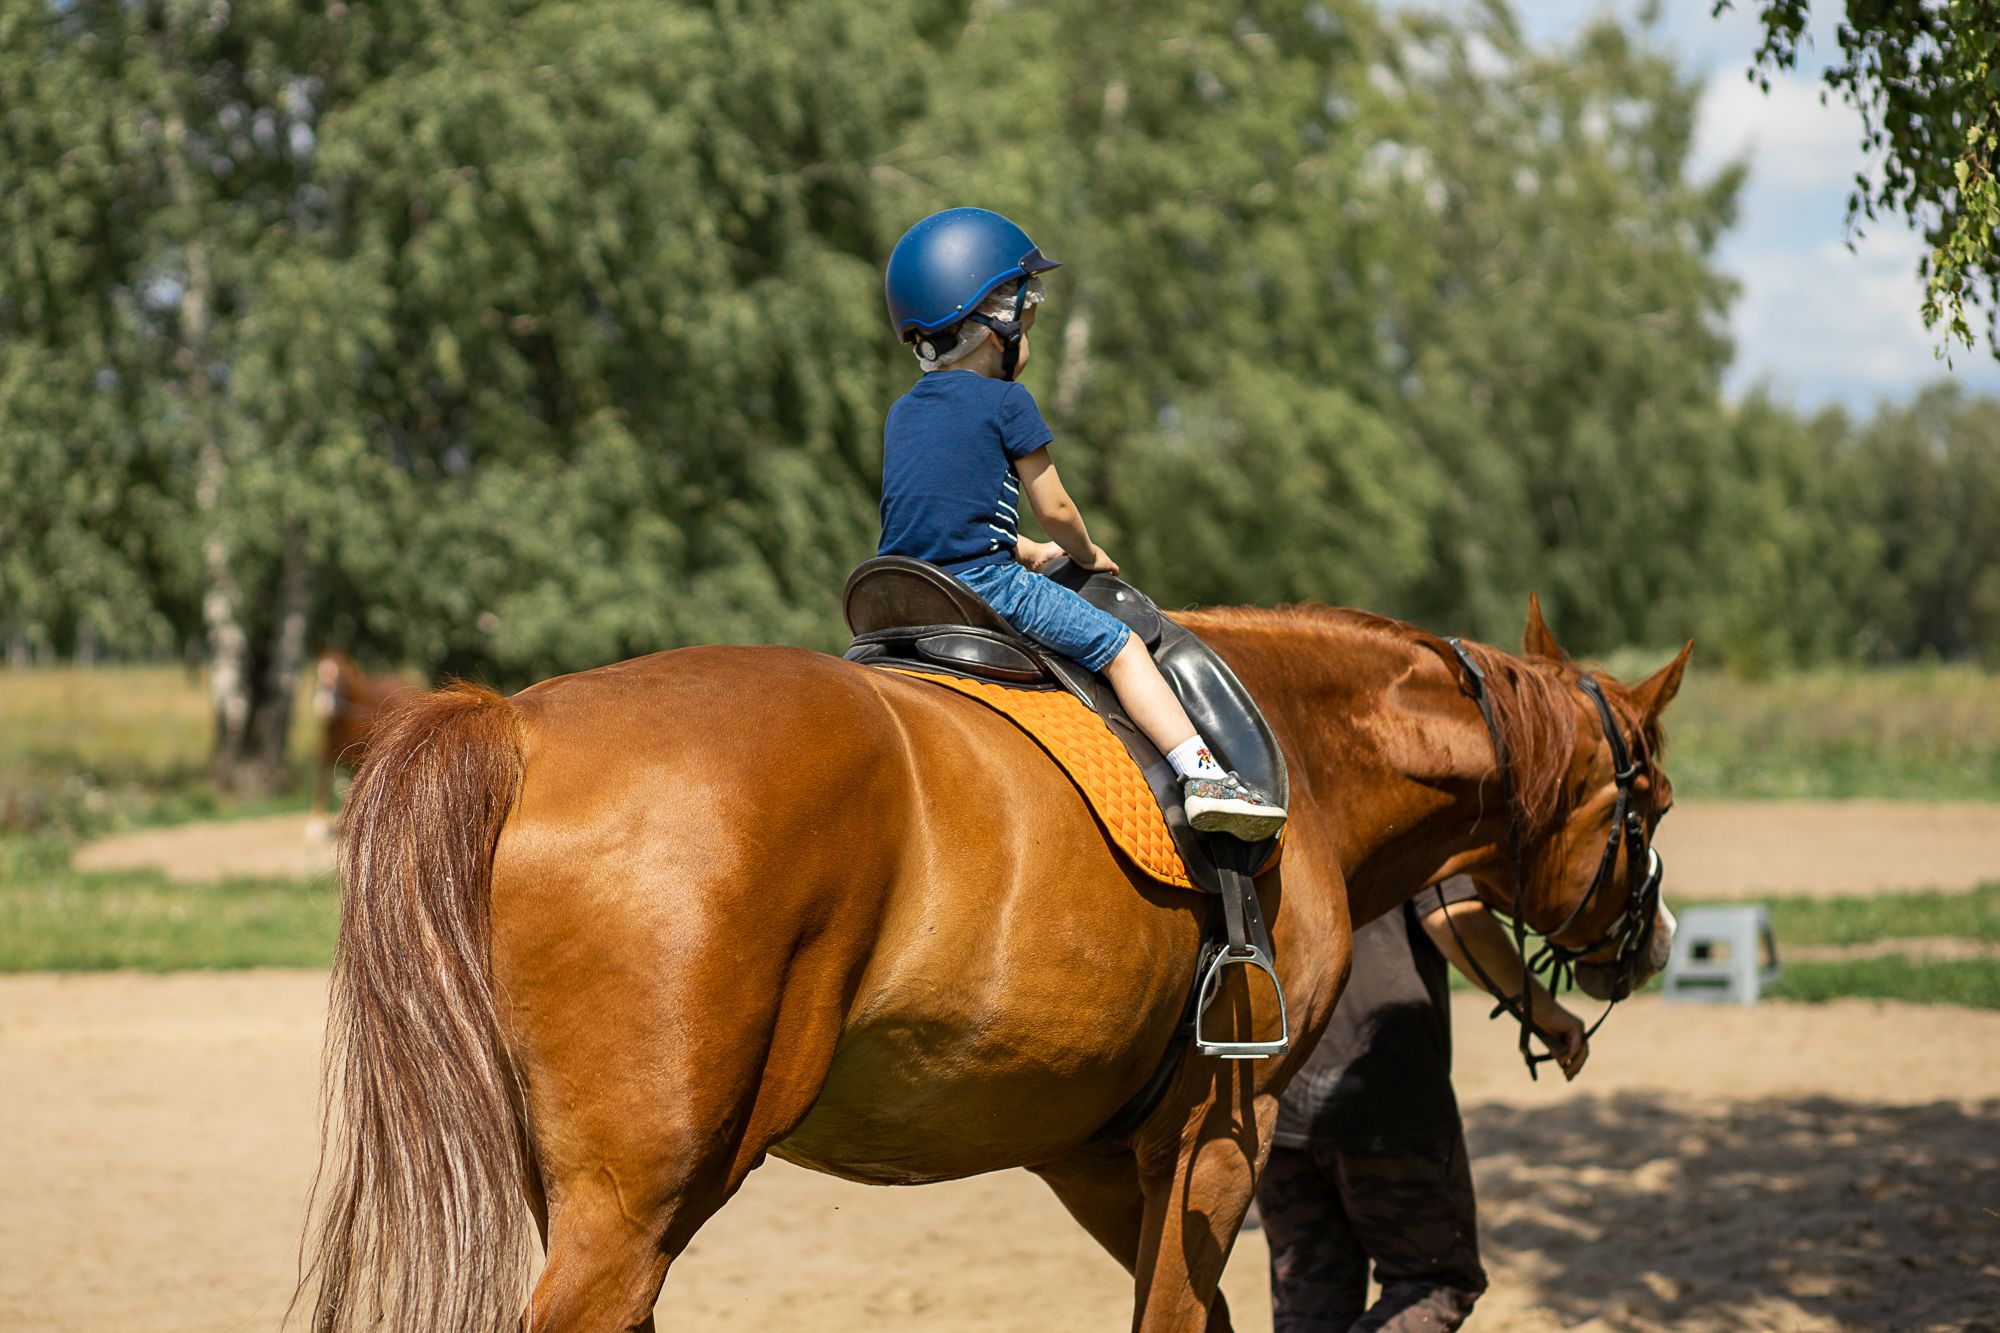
(967, 442)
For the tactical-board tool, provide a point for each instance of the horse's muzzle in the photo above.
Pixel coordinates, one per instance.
(1600, 981)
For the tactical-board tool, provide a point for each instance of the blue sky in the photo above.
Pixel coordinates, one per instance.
(1819, 323)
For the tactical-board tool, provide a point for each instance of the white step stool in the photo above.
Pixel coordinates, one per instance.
(1722, 955)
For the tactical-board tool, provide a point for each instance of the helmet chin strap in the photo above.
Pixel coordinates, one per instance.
(1008, 331)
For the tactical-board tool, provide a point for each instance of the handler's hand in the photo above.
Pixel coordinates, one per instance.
(1563, 1031)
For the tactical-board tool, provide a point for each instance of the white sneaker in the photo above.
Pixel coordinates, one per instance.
(1226, 805)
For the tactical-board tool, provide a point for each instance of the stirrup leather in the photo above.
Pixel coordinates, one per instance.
(1248, 945)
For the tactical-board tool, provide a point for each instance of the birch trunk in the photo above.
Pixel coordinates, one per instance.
(222, 596)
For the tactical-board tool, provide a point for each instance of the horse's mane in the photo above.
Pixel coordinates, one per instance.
(1533, 698)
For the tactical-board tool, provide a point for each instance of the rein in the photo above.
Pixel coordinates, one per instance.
(1633, 929)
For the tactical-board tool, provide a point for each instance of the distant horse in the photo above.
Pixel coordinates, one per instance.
(610, 941)
(348, 703)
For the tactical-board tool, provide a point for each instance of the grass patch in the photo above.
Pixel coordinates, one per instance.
(127, 723)
(1907, 733)
(1863, 920)
(87, 749)
(53, 918)
(1974, 983)
(1969, 916)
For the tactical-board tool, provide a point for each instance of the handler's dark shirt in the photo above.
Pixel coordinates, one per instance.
(1381, 1075)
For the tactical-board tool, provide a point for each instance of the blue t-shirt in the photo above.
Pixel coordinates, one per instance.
(949, 493)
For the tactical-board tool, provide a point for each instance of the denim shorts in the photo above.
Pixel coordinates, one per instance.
(1048, 613)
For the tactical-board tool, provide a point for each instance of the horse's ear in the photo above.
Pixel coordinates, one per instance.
(1537, 640)
(1655, 692)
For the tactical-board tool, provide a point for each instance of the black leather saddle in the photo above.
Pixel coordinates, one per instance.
(905, 612)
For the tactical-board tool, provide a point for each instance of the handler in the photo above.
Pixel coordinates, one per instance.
(1368, 1162)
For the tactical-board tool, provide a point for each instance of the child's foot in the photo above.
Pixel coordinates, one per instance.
(1225, 805)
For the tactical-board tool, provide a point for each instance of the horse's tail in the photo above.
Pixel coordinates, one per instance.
(420, 1220)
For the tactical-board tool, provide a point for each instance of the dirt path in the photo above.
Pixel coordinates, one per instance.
(274, 847)
(1749, 849)
(1724, 849)
(1783, 1167)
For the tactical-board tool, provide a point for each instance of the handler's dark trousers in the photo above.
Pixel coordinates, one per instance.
(1329, 1211)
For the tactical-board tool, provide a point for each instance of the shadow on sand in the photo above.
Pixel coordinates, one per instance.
(1647, 1211)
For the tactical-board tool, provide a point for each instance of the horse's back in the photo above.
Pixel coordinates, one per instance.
(700, 783)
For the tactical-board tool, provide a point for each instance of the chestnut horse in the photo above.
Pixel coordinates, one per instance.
(348, 703)
(610, 941)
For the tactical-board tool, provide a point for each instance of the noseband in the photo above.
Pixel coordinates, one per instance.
(1632, 932)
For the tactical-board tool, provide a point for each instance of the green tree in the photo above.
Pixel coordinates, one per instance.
(1559, 336)
(1383, 310)
(1925, 78)
(502, 338)
(148, 148)
(1786, 559)
(621, 383)
(1926, 479)
(510, 338)
(1209, 355)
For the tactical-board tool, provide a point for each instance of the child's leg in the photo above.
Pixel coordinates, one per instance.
(1055, 617)
(1148, 698)
(1216, 802)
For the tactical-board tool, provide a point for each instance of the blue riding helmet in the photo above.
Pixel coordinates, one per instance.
(944, 267)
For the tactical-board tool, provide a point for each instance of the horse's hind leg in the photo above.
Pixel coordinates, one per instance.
(650, 1100)
(630, 1178)
(605, 1265)
(638, 1157)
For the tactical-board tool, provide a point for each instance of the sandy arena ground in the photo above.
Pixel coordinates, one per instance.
(1714, 849)
(1784, 1167)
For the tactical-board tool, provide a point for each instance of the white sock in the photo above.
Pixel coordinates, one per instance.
(1191, 759)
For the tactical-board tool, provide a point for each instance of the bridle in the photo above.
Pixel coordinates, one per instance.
(1631, 933)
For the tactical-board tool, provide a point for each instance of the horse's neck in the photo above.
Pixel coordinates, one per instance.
(1387, 753)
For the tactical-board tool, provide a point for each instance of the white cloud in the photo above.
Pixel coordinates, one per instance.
(1793, 140)
(1825, 324)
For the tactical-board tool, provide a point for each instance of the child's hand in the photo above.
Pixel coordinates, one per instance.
(1099, 562)
(1037, 556)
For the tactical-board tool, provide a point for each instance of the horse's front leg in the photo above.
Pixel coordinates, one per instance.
(1197, 1187)
(1099, 1185)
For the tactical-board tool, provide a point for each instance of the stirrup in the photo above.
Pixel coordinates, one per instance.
(1253, 956)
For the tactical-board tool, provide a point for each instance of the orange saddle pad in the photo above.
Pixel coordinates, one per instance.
(1095, 760)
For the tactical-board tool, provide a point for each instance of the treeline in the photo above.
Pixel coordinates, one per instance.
(509, 338)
